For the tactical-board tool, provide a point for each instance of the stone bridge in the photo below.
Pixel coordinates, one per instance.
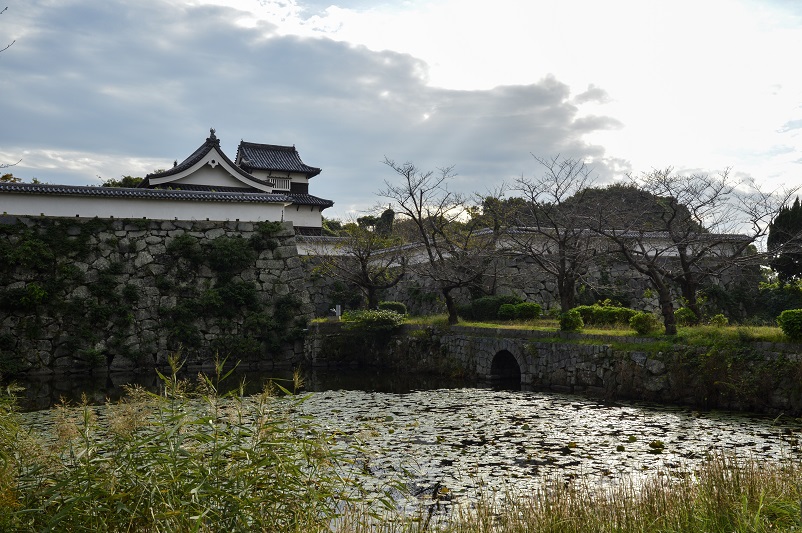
(537, 358)
(610, 366)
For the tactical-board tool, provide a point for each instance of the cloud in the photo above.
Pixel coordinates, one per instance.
(114, 87)
(791, 125)
(592, 94)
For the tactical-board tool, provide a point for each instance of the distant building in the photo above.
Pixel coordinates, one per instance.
(266, 183)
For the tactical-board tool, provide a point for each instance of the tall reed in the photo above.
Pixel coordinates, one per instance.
(724, 495)
(187, 459)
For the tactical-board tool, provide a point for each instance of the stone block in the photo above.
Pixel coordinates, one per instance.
(655, 366)
(142, 259)
(280, 289)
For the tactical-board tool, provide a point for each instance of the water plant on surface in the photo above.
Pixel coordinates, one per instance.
(188, 459)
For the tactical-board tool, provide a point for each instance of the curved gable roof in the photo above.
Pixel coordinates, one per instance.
(180, 170)
(272, 157)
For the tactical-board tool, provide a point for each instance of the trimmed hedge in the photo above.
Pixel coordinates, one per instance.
(605, 314)
(571, 320)
(398, 307)
(486, 307)
(644, 323)
(528, 311)
(506, 312)
(372, 320)
(790, 321)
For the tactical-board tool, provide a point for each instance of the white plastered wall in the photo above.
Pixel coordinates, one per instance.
(304, 215)
(89, 207)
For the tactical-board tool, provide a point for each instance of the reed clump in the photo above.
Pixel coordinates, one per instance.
(191, 459)
(724, 495)
(186, 459)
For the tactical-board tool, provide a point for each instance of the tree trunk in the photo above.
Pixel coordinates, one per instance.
(451, 307)
(373, 298)
(666, 308)
(567, 289)
(691, 302)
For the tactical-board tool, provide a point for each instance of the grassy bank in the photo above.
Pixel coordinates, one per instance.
(702, 335)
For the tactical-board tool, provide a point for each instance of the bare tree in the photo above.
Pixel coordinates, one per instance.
(454, 251)
(552, 227)
(7, 165)
(365, 258)
(6, 47)
(685, 229)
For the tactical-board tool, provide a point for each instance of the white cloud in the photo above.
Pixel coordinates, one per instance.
(106, 87)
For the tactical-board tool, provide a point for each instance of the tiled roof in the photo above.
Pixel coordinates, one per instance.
(155, 194)
(211, 142)
(253, 156)
(207, 188)
(307, 199)
(632, 234)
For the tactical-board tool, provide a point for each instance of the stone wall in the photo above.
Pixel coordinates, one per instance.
(522, 277)
(79, 295)
(762, 377)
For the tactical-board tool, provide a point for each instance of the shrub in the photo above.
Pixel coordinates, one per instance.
(605, 314)
(528, 311)
(790, 321)
(506, 312)
(685, 316)
(187, 247)
(719, 321)
(398, 307)
(372, 320)
(644, 323)
(571, 320)
(229, 255)
(465, 311)
(486, 307)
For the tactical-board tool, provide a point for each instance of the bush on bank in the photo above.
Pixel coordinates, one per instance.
(372, 320)
(790, 321)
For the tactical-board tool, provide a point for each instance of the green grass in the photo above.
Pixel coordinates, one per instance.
(703, 335)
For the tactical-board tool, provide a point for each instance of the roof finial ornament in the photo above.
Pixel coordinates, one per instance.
(211, 132)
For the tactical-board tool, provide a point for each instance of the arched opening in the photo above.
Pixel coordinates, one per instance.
(505, 367)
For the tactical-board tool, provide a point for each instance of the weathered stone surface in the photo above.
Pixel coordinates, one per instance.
(142, 259)
(143, 285)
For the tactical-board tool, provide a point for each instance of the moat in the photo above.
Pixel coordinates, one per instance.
(430, 435)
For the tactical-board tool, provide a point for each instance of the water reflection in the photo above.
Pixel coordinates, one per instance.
(42, 392)
(469, 440)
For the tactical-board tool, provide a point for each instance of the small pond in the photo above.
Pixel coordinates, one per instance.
(427, 433)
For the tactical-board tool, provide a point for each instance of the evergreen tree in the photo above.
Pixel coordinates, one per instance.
(785, 238)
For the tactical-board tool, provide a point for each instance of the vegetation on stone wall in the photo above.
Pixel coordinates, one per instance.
(56, 295)
(73, 290)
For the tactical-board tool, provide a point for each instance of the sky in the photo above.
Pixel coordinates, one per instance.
(98, 89)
